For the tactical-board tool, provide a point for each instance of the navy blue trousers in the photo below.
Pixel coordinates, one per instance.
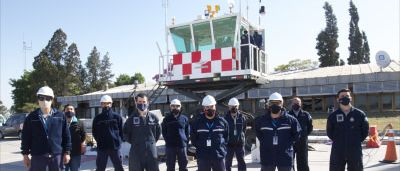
(74, 164)
(102, 159)
(172, 154)
(208, 164)
(239, 151)
(40, 163)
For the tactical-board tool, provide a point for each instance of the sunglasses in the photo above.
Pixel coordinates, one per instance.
(47, 98)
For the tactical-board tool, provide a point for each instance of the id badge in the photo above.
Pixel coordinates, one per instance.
(234, 132)
(136, 120)
(275, 140)
(339, 118)
(208, 142)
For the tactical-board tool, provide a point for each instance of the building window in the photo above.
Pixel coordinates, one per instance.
(202, 36)
(307, 104)
(373, 102)
(387, 101)
(360, 101)
(330, 103)
(224, 32)
(318, 104)
(397, 96)
(182, 38)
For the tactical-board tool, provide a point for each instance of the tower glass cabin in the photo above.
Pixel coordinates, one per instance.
(214, 50)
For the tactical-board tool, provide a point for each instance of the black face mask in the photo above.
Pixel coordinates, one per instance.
(233, 110)
(105, 109)
(175, 111)
(344, 101)
(69, 114)
(296, 107)
(210, 112)
(275, 108)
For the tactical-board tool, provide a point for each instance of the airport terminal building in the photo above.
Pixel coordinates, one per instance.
(375, 90)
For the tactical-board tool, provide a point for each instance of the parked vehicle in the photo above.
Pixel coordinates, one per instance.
(13, 125)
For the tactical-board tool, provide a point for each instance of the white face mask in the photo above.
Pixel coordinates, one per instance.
(45, 104)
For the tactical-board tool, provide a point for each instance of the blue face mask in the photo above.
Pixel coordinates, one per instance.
(69, 114)
(141, 107)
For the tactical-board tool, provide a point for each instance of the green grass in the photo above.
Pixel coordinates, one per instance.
(381, 120)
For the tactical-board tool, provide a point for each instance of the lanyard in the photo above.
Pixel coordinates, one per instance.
(45, 121)
(209, 126)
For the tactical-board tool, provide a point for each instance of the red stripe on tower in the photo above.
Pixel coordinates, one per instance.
(186, 69)
(196, 56)
(177, 59)
(216, 54)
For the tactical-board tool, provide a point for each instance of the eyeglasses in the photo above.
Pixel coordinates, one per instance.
(47, 98)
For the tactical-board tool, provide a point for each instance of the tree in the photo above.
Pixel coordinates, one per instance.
(93, 74)
(138, 76)
(72, 80)
(297, 64)
(83, 76)
(123, 79)
(24, 91)
(105, 71)
(341, 63)
(327, 40)
(3, 109)
(366, 58)
(355, 37)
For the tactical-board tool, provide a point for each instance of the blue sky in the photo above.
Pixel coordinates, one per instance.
(128, 30)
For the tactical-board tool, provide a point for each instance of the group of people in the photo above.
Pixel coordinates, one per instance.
(47, 136)
(246, 40)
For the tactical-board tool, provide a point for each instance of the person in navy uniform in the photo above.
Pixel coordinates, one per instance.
(45, 136)
(142, 130)
(107, 131)
(301, 146)
(244, 50)
(277, 132)
(347, 127)
(237, 130)
(176, 130)
(209, 135)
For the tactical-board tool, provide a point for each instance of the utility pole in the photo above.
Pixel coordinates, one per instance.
(25, 48)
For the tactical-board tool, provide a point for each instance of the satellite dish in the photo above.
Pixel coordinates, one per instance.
(382, 59)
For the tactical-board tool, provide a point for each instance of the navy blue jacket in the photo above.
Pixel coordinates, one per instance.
(305, 120)
(175, 131)
(37, 141)
(107, 130)
(239, 138)
(287, 129)
(218, 133)
(347, 132)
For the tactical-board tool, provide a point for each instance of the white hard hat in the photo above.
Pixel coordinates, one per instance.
(106, 98)
(233, 102)
(208, 101)
(275, 96)
(175, 102)
(46, 91)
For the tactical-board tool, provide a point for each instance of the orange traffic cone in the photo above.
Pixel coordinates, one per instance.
(391, 152)
(373, 141)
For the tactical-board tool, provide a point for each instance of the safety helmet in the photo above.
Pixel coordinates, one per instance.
(175, 102)
(106, 98)
(275, 97)
(46, 91)
(208, 101)
(233, 102)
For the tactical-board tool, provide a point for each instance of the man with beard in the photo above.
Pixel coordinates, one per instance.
(210, 135)
(175, 130)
